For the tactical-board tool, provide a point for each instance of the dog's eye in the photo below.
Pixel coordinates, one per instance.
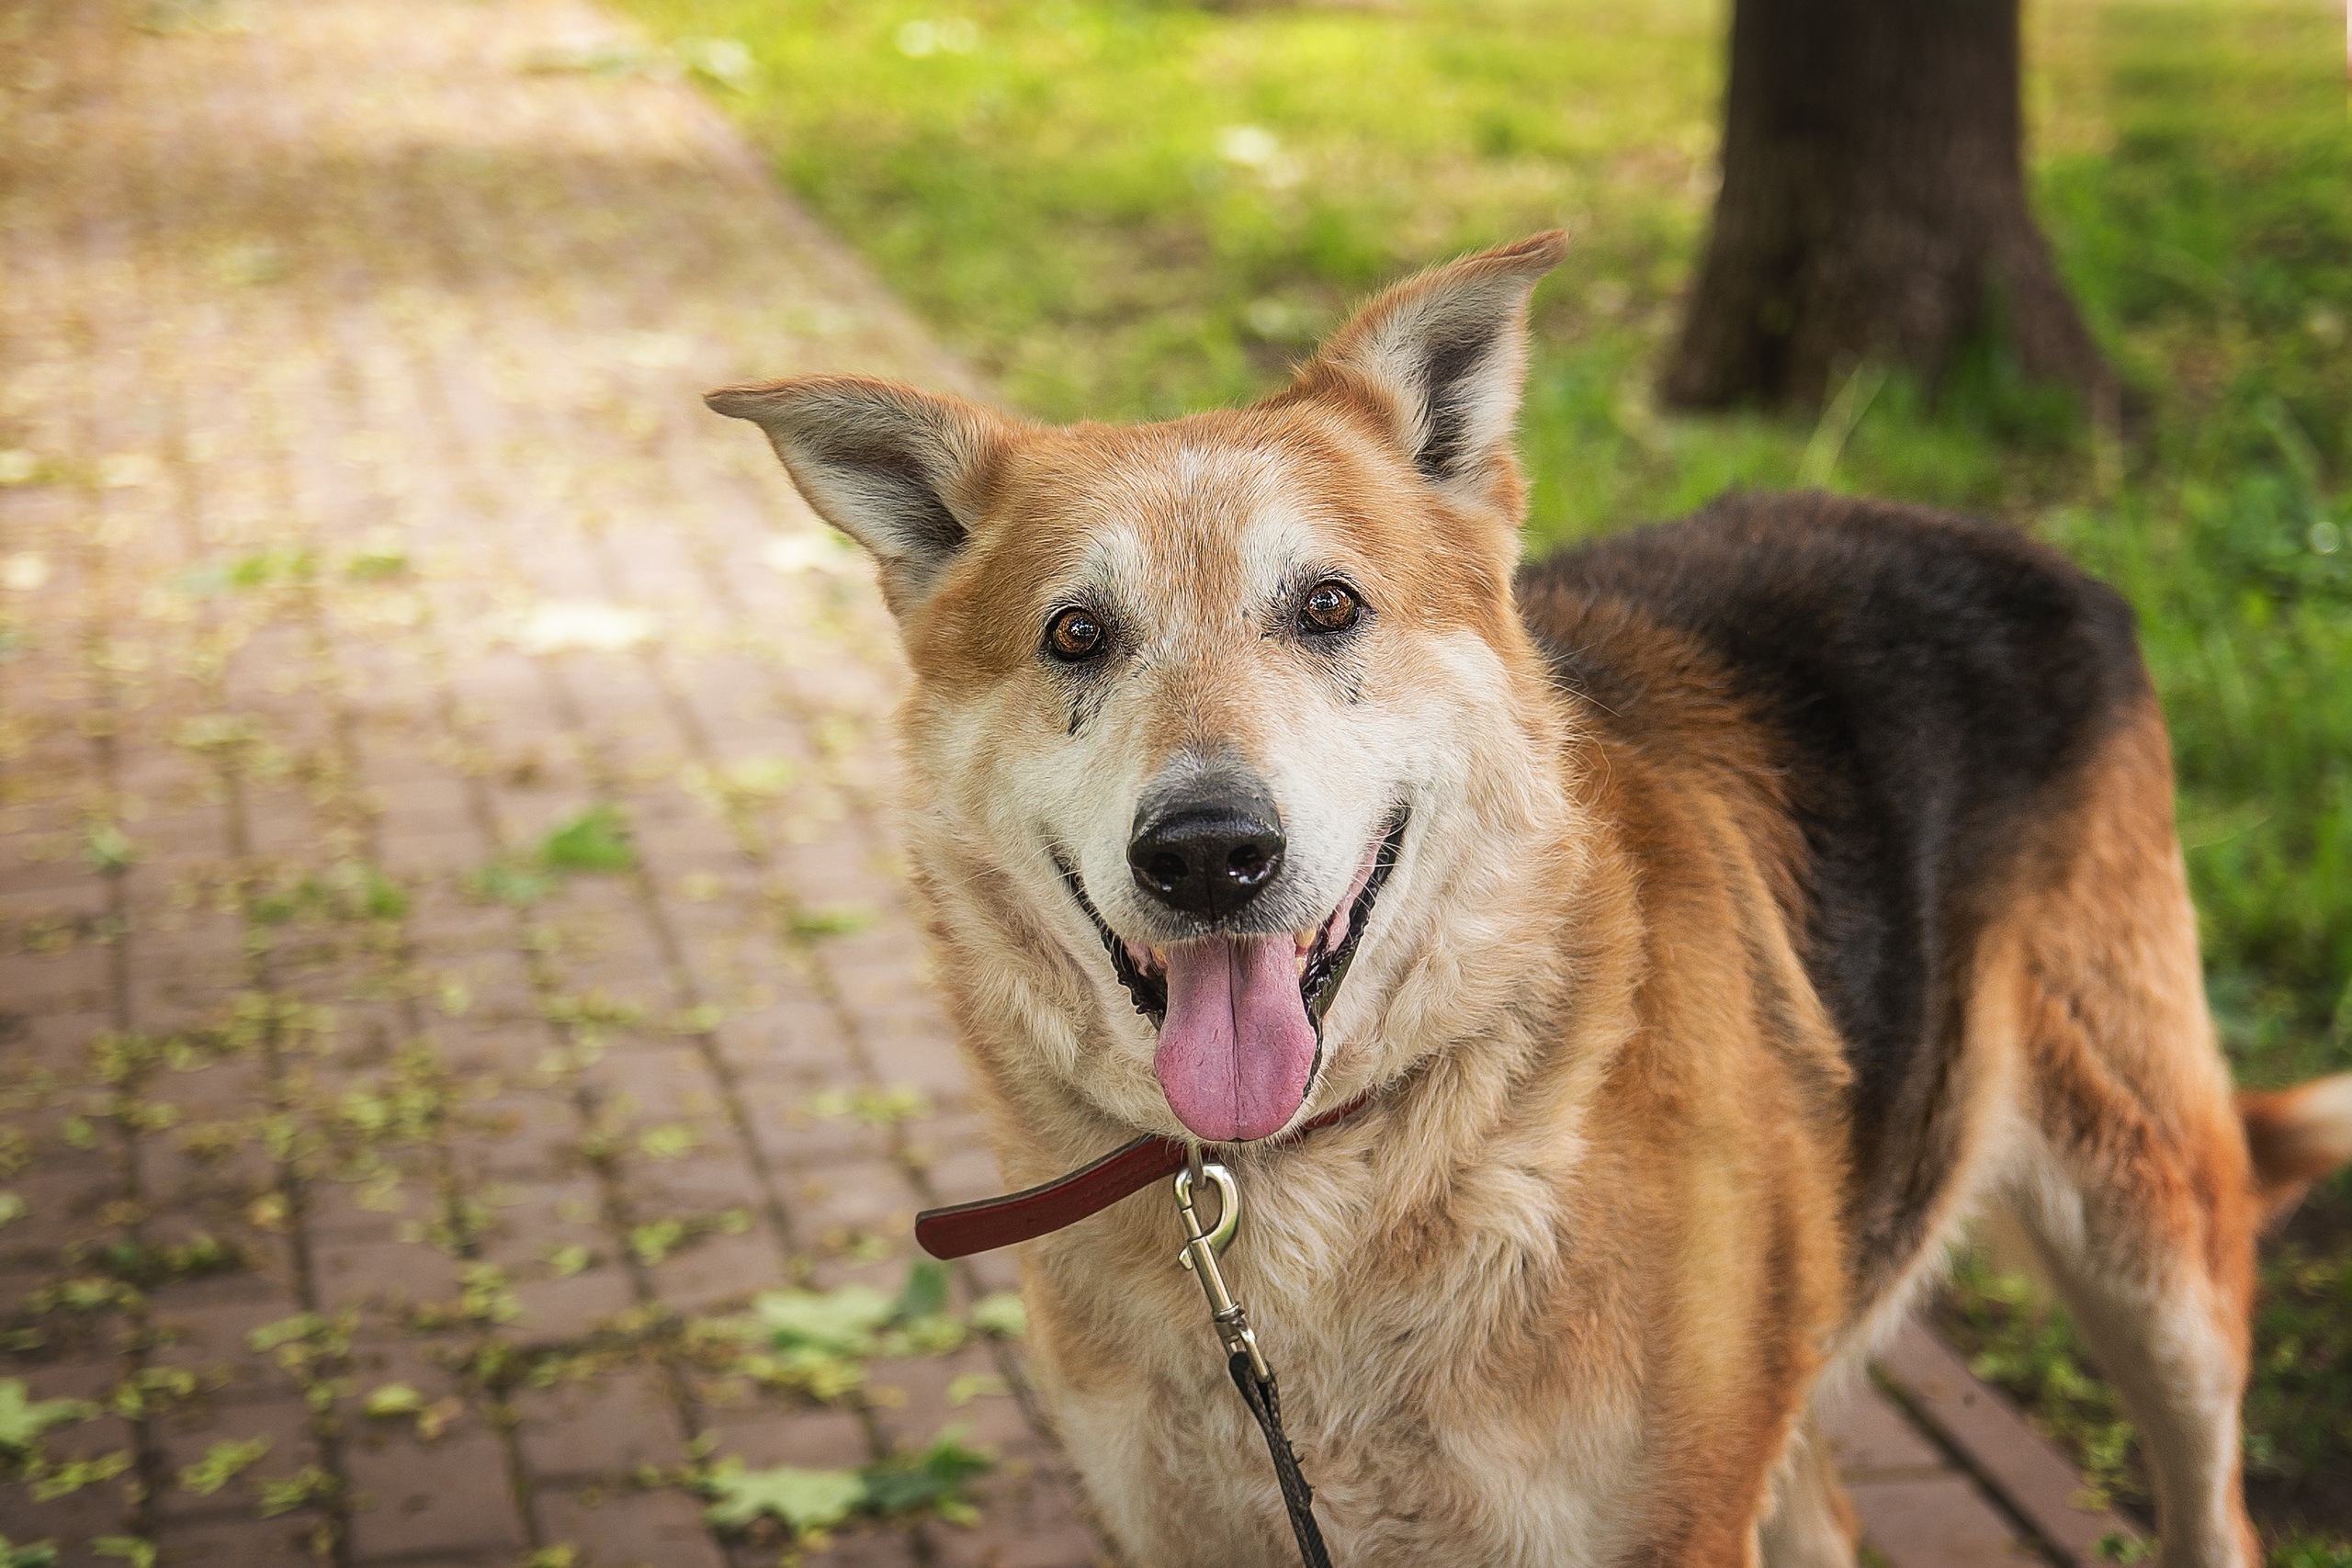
(1329, 607)
(1074, 635)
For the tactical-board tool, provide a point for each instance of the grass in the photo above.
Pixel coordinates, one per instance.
(1122, 210)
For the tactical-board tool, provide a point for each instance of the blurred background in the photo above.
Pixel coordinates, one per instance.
(389, 640)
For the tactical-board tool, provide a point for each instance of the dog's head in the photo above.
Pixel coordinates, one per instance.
(1221, 708)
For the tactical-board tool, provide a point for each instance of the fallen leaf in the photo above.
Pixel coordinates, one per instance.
(805, 1499)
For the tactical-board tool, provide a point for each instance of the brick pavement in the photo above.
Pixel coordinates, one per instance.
(449, 962)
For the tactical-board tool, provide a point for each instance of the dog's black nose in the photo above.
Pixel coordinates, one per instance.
(1210, 853)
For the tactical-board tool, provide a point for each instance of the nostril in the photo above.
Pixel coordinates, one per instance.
(1165, 871)
(1248, 864)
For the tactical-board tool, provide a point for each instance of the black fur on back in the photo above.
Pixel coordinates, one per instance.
(1926, 681)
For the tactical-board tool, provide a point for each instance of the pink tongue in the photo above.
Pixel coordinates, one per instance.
(1236, 1048)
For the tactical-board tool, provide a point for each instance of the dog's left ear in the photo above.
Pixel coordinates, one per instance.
(904, 473)
(1443, 356)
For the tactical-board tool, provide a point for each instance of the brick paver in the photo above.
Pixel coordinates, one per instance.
(368, 566)
(367, 528)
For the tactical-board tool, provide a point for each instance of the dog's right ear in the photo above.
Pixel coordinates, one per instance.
(1439, 359)
(902, 472)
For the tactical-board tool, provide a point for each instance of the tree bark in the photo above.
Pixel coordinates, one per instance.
(1874, 206)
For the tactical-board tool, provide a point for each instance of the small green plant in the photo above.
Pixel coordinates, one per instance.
(595, 840)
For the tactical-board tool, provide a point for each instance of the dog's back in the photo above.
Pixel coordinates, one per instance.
(1923, 689)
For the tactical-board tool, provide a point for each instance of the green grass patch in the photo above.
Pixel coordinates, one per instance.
(1128, 208)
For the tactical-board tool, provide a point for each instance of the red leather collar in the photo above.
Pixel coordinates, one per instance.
(986, 1224)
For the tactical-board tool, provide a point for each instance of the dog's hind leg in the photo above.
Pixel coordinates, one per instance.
(2134, 1180)
(2170, 1333)
(1813, 1523)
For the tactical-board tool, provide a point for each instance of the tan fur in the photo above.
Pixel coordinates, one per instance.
(2297, 1136)
(1563, 1292)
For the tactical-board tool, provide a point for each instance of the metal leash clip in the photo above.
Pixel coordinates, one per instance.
(1200, 1255)
(1243, 1360)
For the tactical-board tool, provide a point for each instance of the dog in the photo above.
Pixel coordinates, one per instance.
(1715, 917)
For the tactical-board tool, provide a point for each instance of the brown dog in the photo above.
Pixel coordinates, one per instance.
(1718, 921)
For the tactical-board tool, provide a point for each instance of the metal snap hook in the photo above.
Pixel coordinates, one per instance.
(1228, 1217)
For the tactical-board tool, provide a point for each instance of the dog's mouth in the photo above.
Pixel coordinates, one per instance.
(1237, 1053)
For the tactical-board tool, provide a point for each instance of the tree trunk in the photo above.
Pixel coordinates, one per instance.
(1873, 206)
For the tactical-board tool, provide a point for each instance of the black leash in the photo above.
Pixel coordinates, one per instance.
(1265, 1402)
(1248, 1364)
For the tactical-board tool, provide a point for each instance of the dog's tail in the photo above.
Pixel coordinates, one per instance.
(2297, 1135)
